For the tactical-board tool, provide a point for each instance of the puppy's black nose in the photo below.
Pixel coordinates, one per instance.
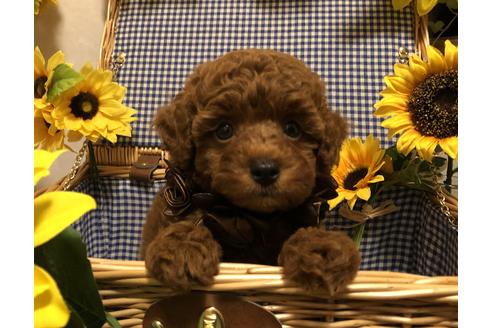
(264, 171)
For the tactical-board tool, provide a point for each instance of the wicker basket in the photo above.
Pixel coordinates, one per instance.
(374, 299)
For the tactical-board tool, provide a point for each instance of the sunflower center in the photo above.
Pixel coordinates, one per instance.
(354, 177)
(433, 105)
(84, 105)
(39, 89)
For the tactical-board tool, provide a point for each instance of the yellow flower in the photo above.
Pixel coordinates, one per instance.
(44, 73)
(53, 212)
(422, 102)
(357, 168)
(46, 136)
(423, 6)
(94, 107)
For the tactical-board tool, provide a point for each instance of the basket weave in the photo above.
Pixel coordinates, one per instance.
(374, 299)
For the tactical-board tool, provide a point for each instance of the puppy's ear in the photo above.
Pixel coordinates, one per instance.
(173, 124)
(328, 153)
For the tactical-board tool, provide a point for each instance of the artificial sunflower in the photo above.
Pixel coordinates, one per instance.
(94, 107)
(53, 212)
(422, 100)
(357, 168)
(46, 136)
(423, 6)
(43, 74)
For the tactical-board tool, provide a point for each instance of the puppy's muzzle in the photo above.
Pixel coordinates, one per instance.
(264, 171)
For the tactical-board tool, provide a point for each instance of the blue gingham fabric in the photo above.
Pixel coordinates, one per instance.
(351, 44)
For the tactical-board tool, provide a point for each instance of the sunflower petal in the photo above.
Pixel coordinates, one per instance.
(351, 202)
(54, 211)
(42, 162)
(435, 60)
(378, 178)
(426, 147)
(50, 310)
(39, 69)
(335, 201)
(407, 141)
(364, 193)
(56, 59)
(399, 129)
(397, 84)
(390, 105)
(418, 67)
(425, 6)
(404, 71)
(451, 55)
(450, 146)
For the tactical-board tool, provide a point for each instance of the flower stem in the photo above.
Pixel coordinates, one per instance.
(359, 233)
(449, 175)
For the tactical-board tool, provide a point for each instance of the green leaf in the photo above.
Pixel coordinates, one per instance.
(112, 321)
(64, 77)
(65, 258)
(75, 320)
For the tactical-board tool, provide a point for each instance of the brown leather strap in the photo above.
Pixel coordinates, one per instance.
(191, 310)
(143, 168)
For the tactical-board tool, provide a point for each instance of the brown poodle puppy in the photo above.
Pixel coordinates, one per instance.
(251, 142)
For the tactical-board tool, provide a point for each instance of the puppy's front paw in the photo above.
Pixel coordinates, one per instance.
(182, 255)
(320, 260)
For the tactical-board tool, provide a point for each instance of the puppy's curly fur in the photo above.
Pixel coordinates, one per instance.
(273, 107)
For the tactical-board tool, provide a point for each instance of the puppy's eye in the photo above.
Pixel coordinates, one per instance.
(292, 129)
(224, 131)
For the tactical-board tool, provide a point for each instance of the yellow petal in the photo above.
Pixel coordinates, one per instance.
(364, 193)
(50, 311)
(73, 123)
(378, 178)
(399, 129)
(42, 162)
(335, 201)
(407, 141)
(397, 84)
(425, 6)
(450, 146)
(435, 60)
(390, 105)
(55, 60)
(397, 122)
(418, 67)
(426, 147)
(86, 69)
(54, 211)
(451, 55)
(39, 63)
(404, 71)
(351, 202)
(400, 4)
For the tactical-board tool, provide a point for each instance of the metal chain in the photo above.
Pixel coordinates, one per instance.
(117, 64)
(403, 55)
(75, 167)
(442, 199)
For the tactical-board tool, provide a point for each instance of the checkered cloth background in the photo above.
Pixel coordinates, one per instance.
(351, 44)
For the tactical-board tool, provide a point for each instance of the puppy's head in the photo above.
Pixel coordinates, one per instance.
(254, 127)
